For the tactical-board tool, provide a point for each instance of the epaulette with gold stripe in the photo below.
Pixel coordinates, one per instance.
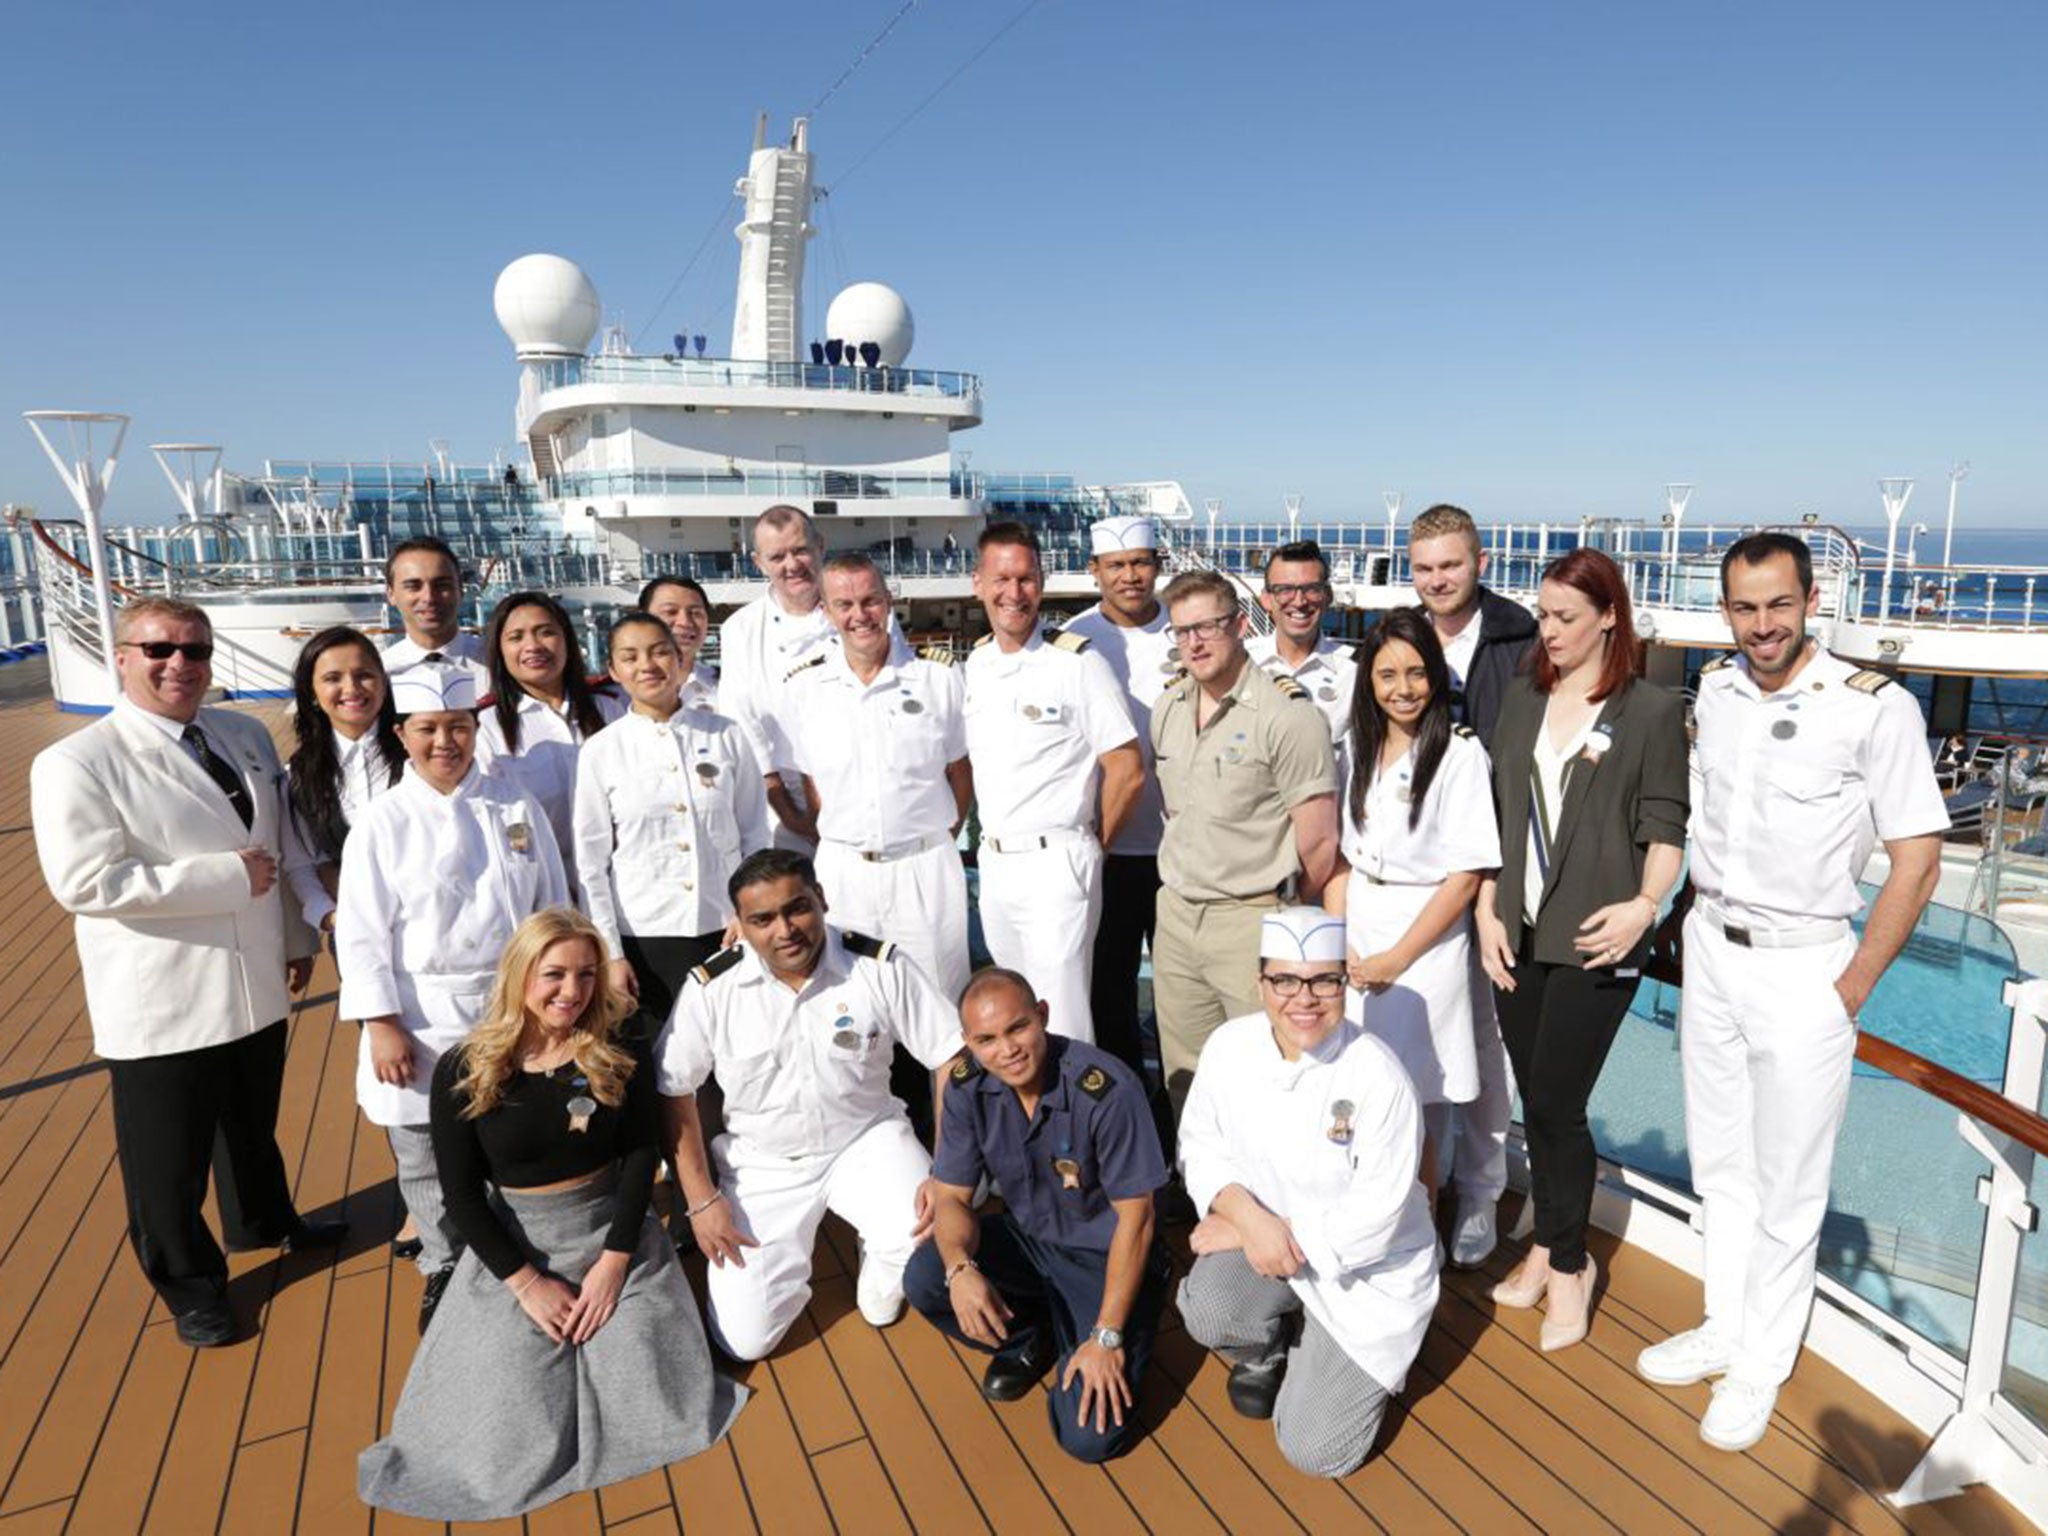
(804, 666)
(1717, 664)
(1868, 680)
(1067, 640)
(1288, 684)
(942, 654)
(861, 944)
(718, 964)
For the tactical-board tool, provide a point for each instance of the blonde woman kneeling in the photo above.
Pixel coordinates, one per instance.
(568, 1353)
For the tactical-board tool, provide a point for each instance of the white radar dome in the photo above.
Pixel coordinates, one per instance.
(547, 307)
(873, 312)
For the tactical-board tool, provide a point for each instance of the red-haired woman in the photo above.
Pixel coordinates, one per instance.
(1589, 773)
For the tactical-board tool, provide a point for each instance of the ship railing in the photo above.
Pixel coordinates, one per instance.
(1932, 1261)
(827, 484)
(733, 373)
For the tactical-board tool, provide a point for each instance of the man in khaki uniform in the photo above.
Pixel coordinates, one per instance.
(1250, 783)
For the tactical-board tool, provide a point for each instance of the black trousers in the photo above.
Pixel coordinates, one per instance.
(1559, 1024)
(174, 1117)
(661, 964)
(1130, 897)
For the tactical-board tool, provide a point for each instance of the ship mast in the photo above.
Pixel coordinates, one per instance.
(774, 227)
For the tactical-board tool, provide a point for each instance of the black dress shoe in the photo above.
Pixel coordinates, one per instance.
(309, 1235)
(407, 1248)
(1255, 1388)
(206, 1327)
(1008, 1379)
(437, 1282)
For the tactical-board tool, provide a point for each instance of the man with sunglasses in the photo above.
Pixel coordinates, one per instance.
(1315, 1267)
(1250, 784)
(159, 827)
(1296, 596)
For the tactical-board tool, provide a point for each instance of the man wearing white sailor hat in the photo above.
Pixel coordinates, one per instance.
(1301, 1145)
(1128, 629)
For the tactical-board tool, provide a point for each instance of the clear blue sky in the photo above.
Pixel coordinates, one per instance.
(1537, 259)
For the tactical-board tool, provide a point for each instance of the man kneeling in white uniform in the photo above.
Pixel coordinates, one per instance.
(799, 1023)
(1315, 1261)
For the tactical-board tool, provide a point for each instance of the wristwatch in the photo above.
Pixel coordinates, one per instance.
(1108, 1338)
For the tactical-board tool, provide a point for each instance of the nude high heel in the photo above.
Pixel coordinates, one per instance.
(1567, 1331)
(1519, 1290)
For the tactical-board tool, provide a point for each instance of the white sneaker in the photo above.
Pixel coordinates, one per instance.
(1474, 1235)
(1738, 1416)
(1684, 1358)
(879, 1293)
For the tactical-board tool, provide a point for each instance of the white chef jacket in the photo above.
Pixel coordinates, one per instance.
(759, 645)
(1329, 674)
(665, 812)
(877, 751)
(1038, 719)
(1333, 1144)
(432, 888)
(364, 774)
(545, 764)
(805, 1071)
(1455, 833)
(1144, 659)
(1792, 790)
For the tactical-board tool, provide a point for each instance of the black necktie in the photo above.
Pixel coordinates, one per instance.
(229, 781)
(433, 656)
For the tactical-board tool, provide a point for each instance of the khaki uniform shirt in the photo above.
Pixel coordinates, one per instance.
(1230, 788)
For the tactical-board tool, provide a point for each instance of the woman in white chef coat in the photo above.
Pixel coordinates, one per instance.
(436, 877)
(347, 754)
(1418, 835)
(1300, 1145)
(669, 800)
(542, 707)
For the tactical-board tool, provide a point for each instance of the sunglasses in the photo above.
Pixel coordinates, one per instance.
(164, 650)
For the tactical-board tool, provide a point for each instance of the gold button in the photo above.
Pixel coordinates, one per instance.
(682, 805)
(689, 885)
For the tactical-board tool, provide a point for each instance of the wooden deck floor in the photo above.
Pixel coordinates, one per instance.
(108, 1424)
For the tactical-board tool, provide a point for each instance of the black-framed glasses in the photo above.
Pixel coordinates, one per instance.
(1285, 590)
(164, 650)
(1324, 984)
(1201, 629)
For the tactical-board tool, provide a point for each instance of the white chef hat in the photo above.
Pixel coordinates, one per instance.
(428, 687)
(1114, 535)
(1301, 934)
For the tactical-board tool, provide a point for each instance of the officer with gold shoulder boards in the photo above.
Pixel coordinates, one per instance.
(1250, 782)
(1069, 1271)
(1295, 596)
(1801, 764)
(1056, 771)
(876, 730)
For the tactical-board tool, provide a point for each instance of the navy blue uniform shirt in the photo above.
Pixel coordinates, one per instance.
(1091, 1142)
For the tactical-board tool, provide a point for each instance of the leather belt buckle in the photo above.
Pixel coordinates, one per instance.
(1737, 935)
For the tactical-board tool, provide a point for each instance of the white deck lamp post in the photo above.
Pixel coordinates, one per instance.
(1676, 495)
(1957, 474)
(1293, 505)
(1896, 490)
(86, 476)
(1215, 510)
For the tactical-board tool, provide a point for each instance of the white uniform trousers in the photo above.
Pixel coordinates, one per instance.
(871, 1184)
(1767, 1049)
(1039, 910)
(1477, 1149)
(917, 901)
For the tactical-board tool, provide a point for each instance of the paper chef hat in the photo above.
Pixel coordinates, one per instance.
(1113, 535)
(1301, 934)
(428, 687)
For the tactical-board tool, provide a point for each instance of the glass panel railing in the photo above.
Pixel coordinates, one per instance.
(1904, 1230)
(832, 484)
(2023, 1374)
(734, 373)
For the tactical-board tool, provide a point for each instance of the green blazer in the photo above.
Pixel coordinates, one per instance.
(1636, 794)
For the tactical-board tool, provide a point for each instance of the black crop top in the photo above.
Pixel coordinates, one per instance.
(527, 1141)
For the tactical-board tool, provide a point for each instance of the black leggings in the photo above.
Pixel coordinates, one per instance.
(1559, 1023)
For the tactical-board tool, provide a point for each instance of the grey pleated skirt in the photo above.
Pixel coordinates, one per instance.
(496, 1420)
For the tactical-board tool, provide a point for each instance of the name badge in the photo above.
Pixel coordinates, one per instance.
(520, 837)
(1069, 1172)
(1340, 1122)
(581, 1108)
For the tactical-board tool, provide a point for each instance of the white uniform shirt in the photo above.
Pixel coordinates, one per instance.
(700, 689)
(545, 764)
(1458, 653)
(1038, 718)
(877, 751)
(1145, 660)
(805, 1071)
(665, 811)
(1456, 831)
(432, 888)
(364, 774)
(1792, 790)
(759, 646)
(464, 650)
(1332, 1143)
(1329, 674)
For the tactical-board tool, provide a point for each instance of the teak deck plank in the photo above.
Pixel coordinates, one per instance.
(111, 1425)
